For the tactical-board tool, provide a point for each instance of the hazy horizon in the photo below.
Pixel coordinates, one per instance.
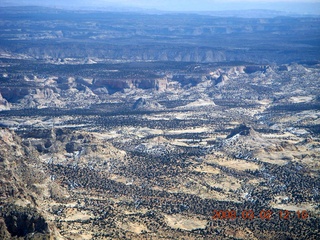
(300, 7)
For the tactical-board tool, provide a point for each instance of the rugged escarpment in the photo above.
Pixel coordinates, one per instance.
(163, 37)
(24, 186)
(22, 223)
(120, 84)
(56, 51)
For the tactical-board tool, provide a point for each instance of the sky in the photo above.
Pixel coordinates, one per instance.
(298, 6)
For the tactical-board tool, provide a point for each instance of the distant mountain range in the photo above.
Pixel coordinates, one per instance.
(229, 9)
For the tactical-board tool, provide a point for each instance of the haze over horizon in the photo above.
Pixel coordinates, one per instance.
(295, 6)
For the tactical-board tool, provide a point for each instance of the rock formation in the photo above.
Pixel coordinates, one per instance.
(243, 130)
(4, 105)
(146, 104)
(23, 186)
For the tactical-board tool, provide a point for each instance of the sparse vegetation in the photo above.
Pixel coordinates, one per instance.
(126, 126)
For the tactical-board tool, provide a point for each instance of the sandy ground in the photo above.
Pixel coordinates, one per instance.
(73, 214)
(133, 227)
(193, 130)
(198, 103)
(300, 99)
(206, 169)
(294, 207)
(184, 222)
(240, 165)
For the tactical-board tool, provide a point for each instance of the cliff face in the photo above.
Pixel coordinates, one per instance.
(133, 53)
(163, 37)
(15, 163)
(4, 105)
(119, 84)
(69, 91)
(13, 94)
(23, 222)
(23, 186)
